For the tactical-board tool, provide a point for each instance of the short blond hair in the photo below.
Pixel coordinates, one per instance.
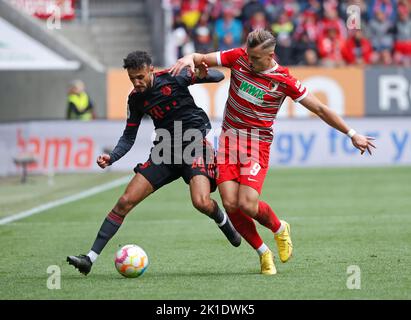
(261, 37)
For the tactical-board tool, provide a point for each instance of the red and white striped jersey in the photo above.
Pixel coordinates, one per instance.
(254, 99)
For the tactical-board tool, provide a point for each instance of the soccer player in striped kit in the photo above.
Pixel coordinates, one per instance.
(258, 87)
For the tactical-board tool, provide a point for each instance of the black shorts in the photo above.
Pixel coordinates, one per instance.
(160, 174)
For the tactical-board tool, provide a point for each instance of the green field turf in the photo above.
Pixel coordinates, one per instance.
(338, 217)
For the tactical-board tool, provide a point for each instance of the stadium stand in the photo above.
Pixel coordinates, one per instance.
(109, 29)
(303, 28)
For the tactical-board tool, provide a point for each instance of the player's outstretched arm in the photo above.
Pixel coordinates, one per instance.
(312, 103)
(124, 144)
(193, 60)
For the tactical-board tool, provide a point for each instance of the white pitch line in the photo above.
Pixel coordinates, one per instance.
(74, 197)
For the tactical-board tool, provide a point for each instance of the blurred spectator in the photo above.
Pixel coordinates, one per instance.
(203, 35)
(175, 5)
(357, 49)
(329, 47)
(79, 105)
(307, 31)
(312, 5)
(386, 7)
(191, 11)
(330, 5)
(181, 38)
(402, 46)
(310, 58)
(283, 30)
(228, 30)
(301, 45)
(272, 8)
(332, 20)
(257, 21)
(382, 39)
(217, 7)
(307, 27)
(250, 9)
(291, 8)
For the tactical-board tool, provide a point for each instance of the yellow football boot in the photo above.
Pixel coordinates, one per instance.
(267, 263)
(284, 244)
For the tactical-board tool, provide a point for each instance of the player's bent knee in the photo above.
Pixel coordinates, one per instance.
(203, 204)
(230, 206)
(125, 204)
(249, 208)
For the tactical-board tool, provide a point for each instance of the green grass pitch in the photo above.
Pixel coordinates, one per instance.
(338, 217)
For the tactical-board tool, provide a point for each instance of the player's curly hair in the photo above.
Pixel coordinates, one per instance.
(137, 60)
(261, 37)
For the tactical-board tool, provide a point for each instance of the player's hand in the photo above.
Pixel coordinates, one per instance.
(103, 161)
(182, 63)
(363, 143)
(202, 70)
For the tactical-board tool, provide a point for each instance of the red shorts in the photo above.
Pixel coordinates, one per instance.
(243, 161)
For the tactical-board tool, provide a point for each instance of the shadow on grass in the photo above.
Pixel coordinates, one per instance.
(161, 275)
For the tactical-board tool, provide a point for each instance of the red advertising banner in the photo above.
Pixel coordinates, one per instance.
(43, 9)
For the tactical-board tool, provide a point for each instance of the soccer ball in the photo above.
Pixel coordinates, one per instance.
(131, 261)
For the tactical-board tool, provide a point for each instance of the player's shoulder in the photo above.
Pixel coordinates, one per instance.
(133, 93)
(163, 77)
(280, 72)
(235, 52)
(162, 73)
(134, 98)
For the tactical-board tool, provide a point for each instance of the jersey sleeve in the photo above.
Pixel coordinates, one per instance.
(126, 141)
(227, 58)
(185, 78)
(295, 89)
(134, 115)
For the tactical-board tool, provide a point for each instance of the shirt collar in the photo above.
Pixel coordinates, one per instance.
(271, 69)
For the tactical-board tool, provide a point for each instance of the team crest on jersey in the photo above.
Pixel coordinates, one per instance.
(166, 90)
(273, 86)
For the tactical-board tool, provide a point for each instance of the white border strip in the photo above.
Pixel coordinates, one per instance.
(218, 56)
(74, 197)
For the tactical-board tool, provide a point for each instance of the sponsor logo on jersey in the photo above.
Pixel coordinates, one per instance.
(251, 93)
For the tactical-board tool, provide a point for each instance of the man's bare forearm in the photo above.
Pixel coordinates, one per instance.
(333, 119)
(210, 59)
(328, 115)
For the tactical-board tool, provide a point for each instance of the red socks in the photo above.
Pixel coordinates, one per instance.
(246, 227)
(267, 217)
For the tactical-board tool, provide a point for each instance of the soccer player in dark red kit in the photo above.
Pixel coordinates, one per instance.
(182, 152)
(258, 87)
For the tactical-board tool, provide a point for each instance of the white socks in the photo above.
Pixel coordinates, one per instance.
(281, 228)
(93, 256)
(263, 248)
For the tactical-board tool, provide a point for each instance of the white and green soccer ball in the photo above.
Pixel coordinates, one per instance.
(131, 261)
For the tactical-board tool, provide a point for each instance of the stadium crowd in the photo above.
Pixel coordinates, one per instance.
(308, 32)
